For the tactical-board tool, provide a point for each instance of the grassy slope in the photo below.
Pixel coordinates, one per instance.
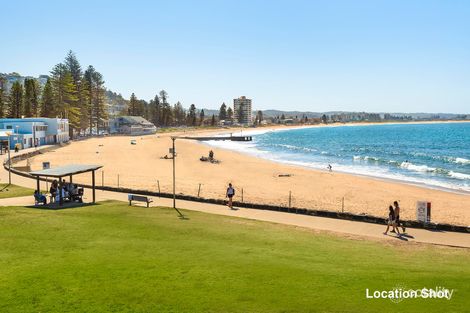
(110, 257)
(14, 191)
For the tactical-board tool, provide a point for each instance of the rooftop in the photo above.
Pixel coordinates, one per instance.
(66, 170)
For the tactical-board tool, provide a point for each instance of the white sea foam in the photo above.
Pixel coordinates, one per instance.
(417, 168)
(253, 149)
(459, 175)
(462, 161)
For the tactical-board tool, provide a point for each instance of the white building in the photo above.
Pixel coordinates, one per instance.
(31, 132)
(242, 111)
(131, 125)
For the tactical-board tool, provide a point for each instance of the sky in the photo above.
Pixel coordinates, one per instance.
(375, 56)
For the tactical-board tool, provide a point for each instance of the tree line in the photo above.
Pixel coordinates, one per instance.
(161, 113)
(68, 93)
(80, 96)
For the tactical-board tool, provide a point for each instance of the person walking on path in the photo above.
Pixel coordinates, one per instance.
(391, 221)
(397, 216)
(230, 193)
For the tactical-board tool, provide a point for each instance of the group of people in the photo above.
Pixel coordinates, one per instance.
(210, 158)
(68, 191)
(394, 219)
(393, 215)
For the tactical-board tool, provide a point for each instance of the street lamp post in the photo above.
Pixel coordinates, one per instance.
(173, 154)
(9, 161)
(34, 135)
(17, 135)
(174, 172)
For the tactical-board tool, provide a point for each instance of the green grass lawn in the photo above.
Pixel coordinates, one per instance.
(11, 191)
(112, 257)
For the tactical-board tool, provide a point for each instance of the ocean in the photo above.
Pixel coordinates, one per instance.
(436, 155)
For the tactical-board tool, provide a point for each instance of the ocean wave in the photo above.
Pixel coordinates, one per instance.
(375, 160)
(417, 168)
(422, 168)
(384, 173)
(462, 161)
(459, 175)
(291, 147)
(369, 158)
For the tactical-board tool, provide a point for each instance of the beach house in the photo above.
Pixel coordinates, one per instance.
(131, 125)
(33, 132)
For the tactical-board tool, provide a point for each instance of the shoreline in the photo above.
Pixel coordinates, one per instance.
(378, 178)
(280, 127)
(318, 170)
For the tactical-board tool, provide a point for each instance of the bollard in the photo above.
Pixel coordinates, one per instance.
(102, 179)
(342, 206)
(199, 191)
(290, 199)
(118, 181)
(158, 184)
(242, 194)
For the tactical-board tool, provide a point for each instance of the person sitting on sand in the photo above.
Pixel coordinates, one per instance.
(397, 216)
(211, 155)
(391, 221)
(230, 193)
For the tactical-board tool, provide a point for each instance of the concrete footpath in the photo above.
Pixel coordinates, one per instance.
(361, 229)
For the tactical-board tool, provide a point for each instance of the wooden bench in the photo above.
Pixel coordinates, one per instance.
(140, 199)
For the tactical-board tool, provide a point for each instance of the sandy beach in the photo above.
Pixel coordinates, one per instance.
(141, 166)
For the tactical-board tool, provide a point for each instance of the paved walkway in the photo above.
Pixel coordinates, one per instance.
(320, 223)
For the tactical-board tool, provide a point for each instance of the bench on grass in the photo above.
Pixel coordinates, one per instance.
(139, 199)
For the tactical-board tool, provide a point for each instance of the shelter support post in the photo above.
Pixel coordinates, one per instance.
(60, 191)
(93, 185)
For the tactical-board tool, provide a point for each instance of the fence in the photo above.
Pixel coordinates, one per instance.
(345, 206)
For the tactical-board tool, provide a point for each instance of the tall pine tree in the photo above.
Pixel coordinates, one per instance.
(65, 96)
(192, 115)
(157, 112)
(133, 103)
(73, 66)
(2, 100)
(179, 114)
(201, 117)
(83, 104)
(31, 98)
(47, 107)
(99, 104)
(15, 101)
(94, 95)
(223, 112)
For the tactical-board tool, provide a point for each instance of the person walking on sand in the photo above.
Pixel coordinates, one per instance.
(397, 216)
(230, 193)
(391, 221)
